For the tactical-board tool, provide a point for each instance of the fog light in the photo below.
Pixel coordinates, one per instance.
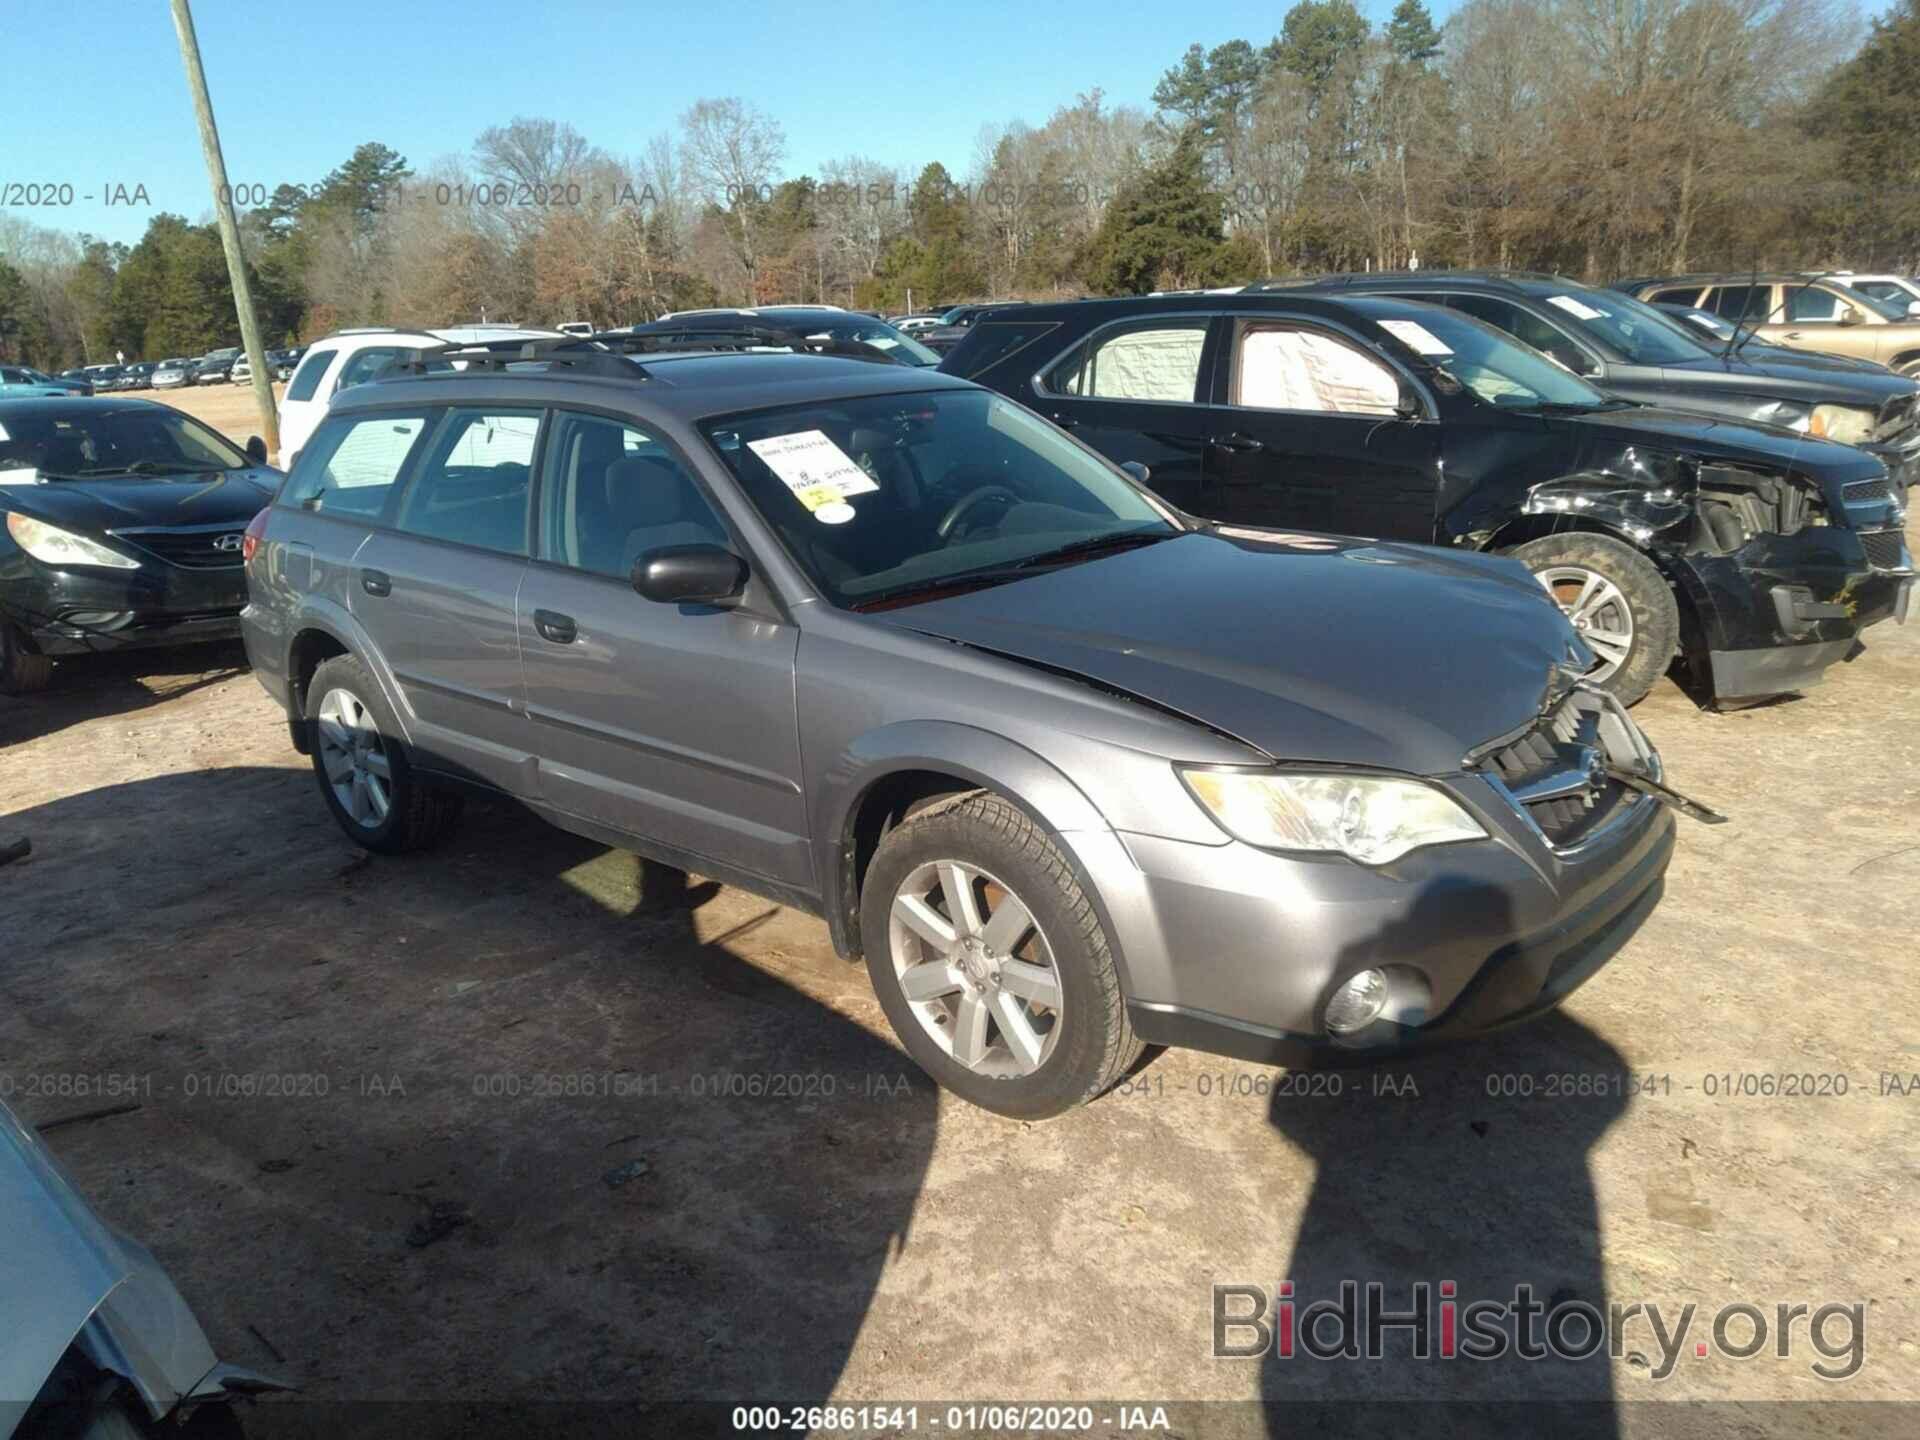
(1358, 1003)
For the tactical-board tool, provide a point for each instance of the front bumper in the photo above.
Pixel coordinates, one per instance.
(1236, 950)
(79, 612)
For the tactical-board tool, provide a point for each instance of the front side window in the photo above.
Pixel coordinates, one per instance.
(612, 492)
(352, 462)
(1485, 361)
(1813, 305)
(885, 494)
(1286, 367)
(473, 480)
(306, 379)
(1136, 362)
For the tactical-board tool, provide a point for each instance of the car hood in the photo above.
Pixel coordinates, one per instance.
(1827, 463)
(1310, 648)
(1846, 382)
(209, 498)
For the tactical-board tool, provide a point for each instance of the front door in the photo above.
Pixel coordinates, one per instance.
(1135, 391)
(675, 723)
(1308, 434)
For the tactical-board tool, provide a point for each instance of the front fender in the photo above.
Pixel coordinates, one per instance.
(981, 758)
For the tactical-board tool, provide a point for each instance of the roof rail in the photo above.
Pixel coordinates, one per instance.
(567, 352)
(663, 338)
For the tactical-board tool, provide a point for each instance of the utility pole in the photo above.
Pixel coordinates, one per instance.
(229, 228)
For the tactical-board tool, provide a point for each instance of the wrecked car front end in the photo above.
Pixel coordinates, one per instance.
(89, 1322)
(1784, 548)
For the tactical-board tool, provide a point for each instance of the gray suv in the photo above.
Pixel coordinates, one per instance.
(1074, 771)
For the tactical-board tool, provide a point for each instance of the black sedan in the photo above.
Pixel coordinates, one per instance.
(123, 525)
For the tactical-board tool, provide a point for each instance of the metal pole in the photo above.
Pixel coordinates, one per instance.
(229, 230)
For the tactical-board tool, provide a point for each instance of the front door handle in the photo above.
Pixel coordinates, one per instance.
(556, 627)
(1239, 444)
(376, 582)
(1063, 420)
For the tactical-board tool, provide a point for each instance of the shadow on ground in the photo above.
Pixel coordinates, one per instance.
(526, 1121)
(87, 687)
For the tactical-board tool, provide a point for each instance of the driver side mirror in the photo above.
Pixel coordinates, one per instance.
(256, 450)
(1850, 315)
(1140, 473)
(690, 575)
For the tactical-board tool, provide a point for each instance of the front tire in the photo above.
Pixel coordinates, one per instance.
(1618, 602)
(22, 670)
(991, 962)
(362, 767)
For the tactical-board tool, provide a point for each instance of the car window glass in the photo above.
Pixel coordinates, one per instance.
(363, 365)
(1145, 362)
(1527, 328)
(1281, 367)
(1742, 302)
(1813, 304)
(306, 379)
(350, 465)
(996, 340)
(12, 377)
(472, 483)
(612, 492)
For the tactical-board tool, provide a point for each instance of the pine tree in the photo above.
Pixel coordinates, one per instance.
(1163, 229)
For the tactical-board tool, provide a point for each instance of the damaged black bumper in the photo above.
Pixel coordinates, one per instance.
(75, 612)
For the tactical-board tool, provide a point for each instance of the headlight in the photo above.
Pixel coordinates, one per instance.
(1842, 422)
(1369, 818)
(54, 546)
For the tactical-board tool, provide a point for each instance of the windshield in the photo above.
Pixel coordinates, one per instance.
(1634, 331)
(887, 493)
(1490, 364)
(153, 441)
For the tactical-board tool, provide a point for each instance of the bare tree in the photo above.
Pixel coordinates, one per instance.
(732, 153)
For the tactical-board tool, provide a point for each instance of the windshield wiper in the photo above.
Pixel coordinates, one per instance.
(961, 580)
(1122, 539)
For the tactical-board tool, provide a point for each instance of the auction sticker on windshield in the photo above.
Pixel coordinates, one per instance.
(1417, 336)
(820, 474)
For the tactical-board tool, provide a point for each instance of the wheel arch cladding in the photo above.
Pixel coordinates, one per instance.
(896, 771)
(311, 647)
(318, 637)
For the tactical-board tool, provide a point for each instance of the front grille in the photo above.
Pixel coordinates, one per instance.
(1886, 549)
(1554, 773)
(1855, 491)
(198, 547)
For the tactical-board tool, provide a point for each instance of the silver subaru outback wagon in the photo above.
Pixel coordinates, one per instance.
(1074, 772)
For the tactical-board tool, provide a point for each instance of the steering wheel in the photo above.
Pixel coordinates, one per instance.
(958, 510)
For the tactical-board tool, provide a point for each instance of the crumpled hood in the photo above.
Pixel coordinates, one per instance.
(1313, 648)
(95, 506)
(1734, 441)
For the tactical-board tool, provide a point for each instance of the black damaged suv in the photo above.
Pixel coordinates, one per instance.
(1758, 553)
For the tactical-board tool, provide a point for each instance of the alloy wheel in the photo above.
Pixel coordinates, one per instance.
(354, 759)
(975, 968)
(1599, 612)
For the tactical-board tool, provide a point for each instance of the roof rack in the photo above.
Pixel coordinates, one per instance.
(664, 338)
(568, 352)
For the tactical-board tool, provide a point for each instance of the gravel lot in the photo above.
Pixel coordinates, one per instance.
(510, 1122)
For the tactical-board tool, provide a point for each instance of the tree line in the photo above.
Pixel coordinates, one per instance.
(1587, 137)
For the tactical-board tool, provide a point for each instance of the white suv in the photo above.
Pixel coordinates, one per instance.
(348, 357)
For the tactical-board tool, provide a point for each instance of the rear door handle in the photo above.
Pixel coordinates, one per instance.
(1239, 444)
(556, 627)
(376, 582)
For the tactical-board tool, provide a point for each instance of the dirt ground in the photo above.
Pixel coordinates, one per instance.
(229, 408)
(517, 1121)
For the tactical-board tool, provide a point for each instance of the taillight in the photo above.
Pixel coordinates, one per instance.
(256, 532)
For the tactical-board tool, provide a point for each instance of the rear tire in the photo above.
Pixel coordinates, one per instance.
(1617, 600)
(1016, 1007)
(362, 767)
(22, 670)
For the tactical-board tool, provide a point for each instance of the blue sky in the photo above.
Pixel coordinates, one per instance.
(95, 95)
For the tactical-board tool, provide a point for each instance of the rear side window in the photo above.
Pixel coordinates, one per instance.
(306, 379)
(1138, 362)
(1285, 367)
(612, 493)
(472, 484)
(1741, 302)
(352, 462)
(995, 340)
(363, 365)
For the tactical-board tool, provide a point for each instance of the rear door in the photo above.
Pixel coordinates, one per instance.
(1136, 390)
(671, 722)
(437, 587)
(1306, 434)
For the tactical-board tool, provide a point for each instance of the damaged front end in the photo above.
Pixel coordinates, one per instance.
(1782, 570)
